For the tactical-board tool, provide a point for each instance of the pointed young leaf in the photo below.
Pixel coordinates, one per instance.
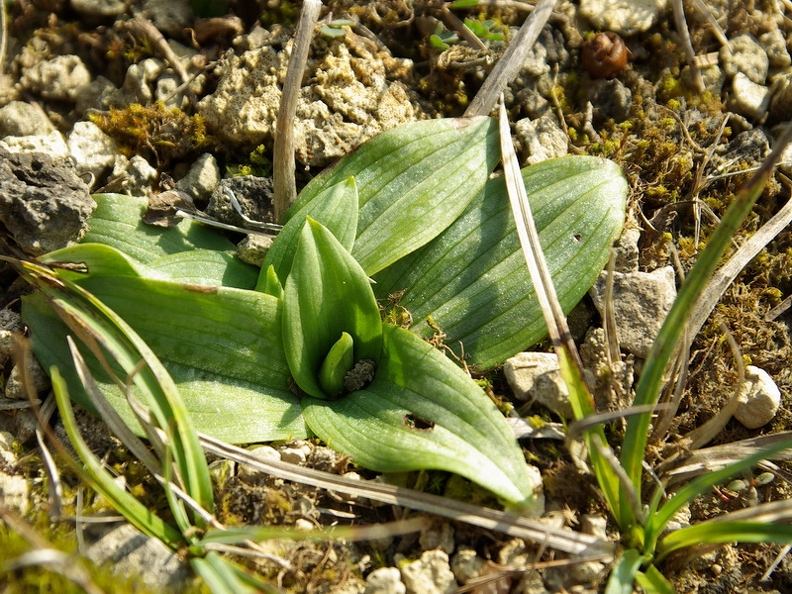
(270, 283)
(413, 182)
(472, 279)
(421, 411)
(337, 364)
(327, 293)
(336, 207)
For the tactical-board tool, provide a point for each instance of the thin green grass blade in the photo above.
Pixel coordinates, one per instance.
(93, 322)
(223, 576)
(101, 480)
(658, 521)
(671, 334)
(723, 532)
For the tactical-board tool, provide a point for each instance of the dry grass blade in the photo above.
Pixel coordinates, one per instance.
(774, 512)
(22, 357)
(690, 54)
(512, 60)
(3, 37)
(109, 414)
(283, 168)
(713, 458)
(529, 240)
(716, 28)
(564, 540)
(705, 433)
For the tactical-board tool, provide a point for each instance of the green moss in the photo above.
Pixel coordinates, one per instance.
(157, 132)
(43, 579)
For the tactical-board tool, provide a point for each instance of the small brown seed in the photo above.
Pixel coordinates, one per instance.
(604, 55)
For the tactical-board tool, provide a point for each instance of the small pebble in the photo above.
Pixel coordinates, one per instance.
(431, 574)
(759, 398)
(385, 580)
(641, 303)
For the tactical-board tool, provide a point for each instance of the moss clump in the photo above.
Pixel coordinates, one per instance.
(157, 132)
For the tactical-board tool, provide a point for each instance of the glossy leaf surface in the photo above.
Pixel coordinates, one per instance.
(472, 279)
(327, 293)
(413, 182)
(422, 411)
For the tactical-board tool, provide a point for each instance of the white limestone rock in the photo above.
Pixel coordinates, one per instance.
(61, 78)
(51, 144)
(748, 98)
(625, 17)
(537, 376)
(93, 151)
(253, 475)
(431, 574)
(354, 96)
(744, 54)
(385, 580)
(641, 303)
(541, 139)
(202, 178)
(759, 398)
(19, 118)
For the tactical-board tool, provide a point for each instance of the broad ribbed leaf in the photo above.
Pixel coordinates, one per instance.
(327, 293)
(222, 347)
(472, 279)
(420, 412)
(188, 252)
(336, 207)
(413, 182)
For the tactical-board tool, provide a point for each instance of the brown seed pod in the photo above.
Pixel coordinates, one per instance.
(604, 55)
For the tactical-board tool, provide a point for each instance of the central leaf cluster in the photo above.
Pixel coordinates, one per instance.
(331, 321)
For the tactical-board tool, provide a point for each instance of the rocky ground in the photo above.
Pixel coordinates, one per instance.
(133, 96)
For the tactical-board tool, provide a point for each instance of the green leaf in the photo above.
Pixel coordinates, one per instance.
(422, 411)
(337, 364)
(327, 293)
(336, 207)
(472, 280)
(188, 252)
(623, 574)
(413, 182)
(654, 582)
(722, 532)
(222, 346)
(98, 259)
(270, 283)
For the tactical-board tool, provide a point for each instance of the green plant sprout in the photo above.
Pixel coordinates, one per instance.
(442, 39)
(413, 208)
(335, 28)
(644, 526)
